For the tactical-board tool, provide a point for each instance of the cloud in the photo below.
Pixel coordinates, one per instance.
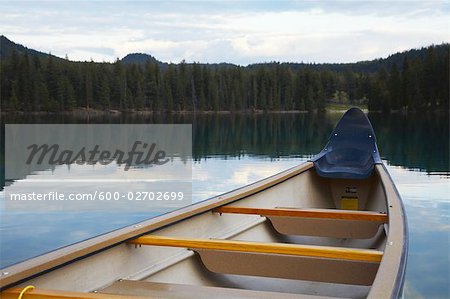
(239, 32)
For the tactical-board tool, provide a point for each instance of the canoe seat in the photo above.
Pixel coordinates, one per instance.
(185, 291)
(279, 260)
(345, 163)
(351, 151)
(317, 222)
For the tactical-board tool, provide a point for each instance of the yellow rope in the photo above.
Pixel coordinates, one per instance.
(24, 290)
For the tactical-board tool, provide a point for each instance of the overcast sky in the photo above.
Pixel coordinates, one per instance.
(240, 32)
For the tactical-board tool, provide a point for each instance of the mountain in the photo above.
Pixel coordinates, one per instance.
(368, 66)
(7, 47)
(141, 58)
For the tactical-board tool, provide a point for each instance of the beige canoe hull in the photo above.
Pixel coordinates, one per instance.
(109, 265)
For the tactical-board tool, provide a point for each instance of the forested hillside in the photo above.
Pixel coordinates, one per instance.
(32, 81)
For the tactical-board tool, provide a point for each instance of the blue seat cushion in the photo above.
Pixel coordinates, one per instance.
(346, 163)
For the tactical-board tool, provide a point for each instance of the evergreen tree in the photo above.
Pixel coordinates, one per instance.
(151, 92)
(13, 100)
(104, 94)
(407, 84)
(47, 83)
(88, 89)
(395, 88)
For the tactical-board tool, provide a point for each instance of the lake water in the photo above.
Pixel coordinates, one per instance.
(233, 150)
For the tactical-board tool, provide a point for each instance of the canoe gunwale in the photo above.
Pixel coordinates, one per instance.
(381, 287)
(42, 264)
(400, 279)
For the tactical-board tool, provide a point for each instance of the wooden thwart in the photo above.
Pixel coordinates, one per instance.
(268, 248)
(307, 213)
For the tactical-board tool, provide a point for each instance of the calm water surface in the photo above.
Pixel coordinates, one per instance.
(234, 150)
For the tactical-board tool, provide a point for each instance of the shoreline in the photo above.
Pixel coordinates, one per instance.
(98, 112)
(149, 112)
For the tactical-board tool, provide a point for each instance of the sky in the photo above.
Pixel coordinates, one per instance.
(239, 32)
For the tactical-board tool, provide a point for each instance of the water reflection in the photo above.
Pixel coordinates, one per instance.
(427, 204)
(414, 141)
(232, 150)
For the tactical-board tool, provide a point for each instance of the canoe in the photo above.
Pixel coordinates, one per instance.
(333, 227)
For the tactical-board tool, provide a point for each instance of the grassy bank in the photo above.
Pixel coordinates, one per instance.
(343, 107)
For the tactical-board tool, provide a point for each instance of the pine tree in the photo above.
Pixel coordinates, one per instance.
(151, 93)
(25, 77)
(69, 93)
(382, 78)
(407, 84)
(395, 88)
(169, 97)
(214, 92)
(88, 89)
(104, 94)
(13, 100)
(430, 79)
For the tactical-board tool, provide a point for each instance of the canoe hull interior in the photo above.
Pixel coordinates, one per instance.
(176, 268)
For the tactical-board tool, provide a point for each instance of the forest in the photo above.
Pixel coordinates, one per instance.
(35, 82)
